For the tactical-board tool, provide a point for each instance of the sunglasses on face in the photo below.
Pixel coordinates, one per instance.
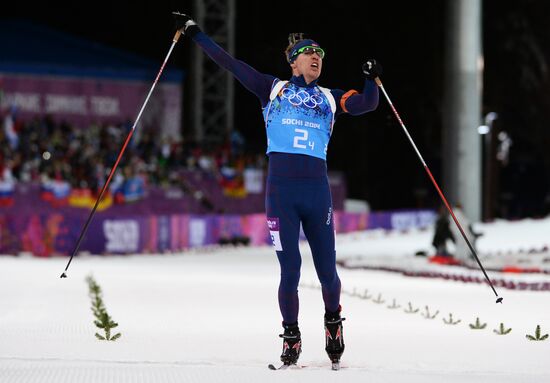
(309, 50)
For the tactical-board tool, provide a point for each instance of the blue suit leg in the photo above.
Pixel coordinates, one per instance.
(318, 225)
(284, 226)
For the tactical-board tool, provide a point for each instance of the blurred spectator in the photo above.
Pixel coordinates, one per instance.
(237, 143)
(132, 188)
(10, 128)
(7, 184)
(442, 233)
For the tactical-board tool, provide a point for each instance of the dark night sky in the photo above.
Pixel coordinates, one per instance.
(406, 37)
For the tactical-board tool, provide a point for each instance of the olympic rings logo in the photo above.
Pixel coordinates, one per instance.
(301, 98)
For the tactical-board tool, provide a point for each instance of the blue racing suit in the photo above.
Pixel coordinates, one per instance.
(299, 119)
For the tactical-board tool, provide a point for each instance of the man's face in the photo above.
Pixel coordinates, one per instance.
(309, 64)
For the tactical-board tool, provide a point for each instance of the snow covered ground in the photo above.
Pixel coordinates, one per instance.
(212, 316)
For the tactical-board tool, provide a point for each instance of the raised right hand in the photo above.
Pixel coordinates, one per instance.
(186, 24)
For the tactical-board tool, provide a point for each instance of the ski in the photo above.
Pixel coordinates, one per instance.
(284, 367)
(335, 366)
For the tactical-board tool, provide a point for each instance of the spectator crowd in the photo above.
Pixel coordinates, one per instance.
(62, 157)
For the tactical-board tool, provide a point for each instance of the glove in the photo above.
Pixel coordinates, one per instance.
(372, 69)
(186, 24)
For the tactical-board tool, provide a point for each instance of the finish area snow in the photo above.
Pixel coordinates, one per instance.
(212, 316)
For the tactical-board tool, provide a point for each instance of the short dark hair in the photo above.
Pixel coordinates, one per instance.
(293, 39)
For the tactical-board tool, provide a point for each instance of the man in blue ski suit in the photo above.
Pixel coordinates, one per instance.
(299, 116)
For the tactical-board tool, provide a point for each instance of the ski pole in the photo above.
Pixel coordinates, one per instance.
(98, 200)
(379, 83)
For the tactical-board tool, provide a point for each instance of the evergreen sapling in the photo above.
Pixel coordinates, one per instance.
(394, 305)
(450, 321)
(537, 336)
(366, 295)
(103, 319)
(411, 310)
(478, 325)
(427, 314)
(379, 299)
(502, 330)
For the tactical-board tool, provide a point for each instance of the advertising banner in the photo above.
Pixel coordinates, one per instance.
(84, 101)
(56, 233)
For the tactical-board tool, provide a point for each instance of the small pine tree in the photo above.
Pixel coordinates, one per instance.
(106, 323)
(502, 330)
(450, 321)
(537, 335)
(410, 309)
(379, 299)
(103, 319)
(366, 295)
(477, 325)
(394, 305)
(427, 314)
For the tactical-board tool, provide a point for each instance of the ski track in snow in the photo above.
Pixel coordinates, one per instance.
(93, 371)
(212, 316)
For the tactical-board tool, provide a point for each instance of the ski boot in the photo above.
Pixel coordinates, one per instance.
(292, 344)
(334, 337)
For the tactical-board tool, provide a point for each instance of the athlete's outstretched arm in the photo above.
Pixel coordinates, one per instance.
(256, 82)
(359, 103)
(356, 103)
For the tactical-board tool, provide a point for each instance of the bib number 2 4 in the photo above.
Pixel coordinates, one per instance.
(301, 139)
